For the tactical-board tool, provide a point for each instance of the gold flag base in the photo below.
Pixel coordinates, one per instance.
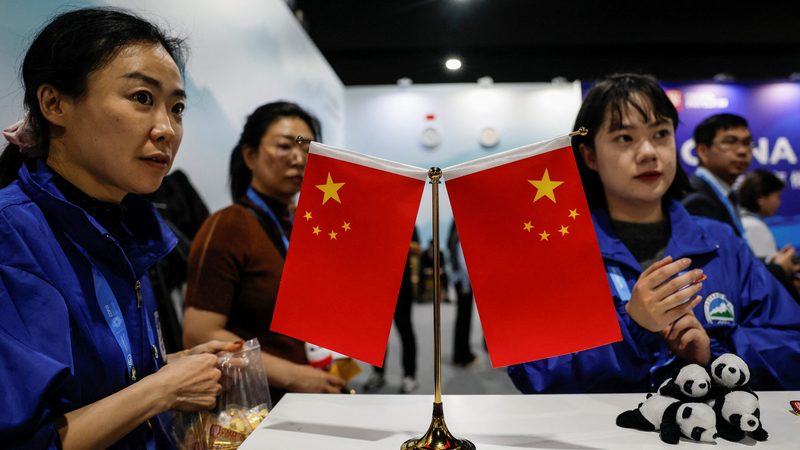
(438, 436)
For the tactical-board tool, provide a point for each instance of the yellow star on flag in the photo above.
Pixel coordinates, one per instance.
(330, 189)
(545, 187)
(573, 213)
(332, 234)
(544, 235)
(346, 226)
(307, 215)
(564, 230)
(528, 226)
(317, 231)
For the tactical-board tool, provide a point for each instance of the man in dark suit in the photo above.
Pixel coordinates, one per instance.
(725, 149)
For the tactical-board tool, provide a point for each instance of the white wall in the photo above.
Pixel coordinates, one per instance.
(243, 53)
(387, 121)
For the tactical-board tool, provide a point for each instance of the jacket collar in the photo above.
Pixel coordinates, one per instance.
(151, 238)
(709, 177)
(687, 238)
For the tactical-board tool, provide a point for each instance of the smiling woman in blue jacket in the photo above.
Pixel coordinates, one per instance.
(81, 359)
(686, 289)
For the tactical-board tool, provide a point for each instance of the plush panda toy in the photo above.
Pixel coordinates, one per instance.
(649, 414)
(738, 415)
(692, 420)
(671, 418)
(690, 384)
(730, 407)
(729, 372)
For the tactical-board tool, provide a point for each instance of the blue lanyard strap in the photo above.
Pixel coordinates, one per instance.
(151, 339)
(109, 306)
(618, 282)
(663, 358)
(725, 201)
(262, 205)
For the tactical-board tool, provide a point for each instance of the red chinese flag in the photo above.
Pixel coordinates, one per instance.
(531, 253)
(348, 249)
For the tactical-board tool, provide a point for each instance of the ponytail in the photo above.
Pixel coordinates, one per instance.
(240, 175)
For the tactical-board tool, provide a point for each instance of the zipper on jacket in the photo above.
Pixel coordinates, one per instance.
(138, 287)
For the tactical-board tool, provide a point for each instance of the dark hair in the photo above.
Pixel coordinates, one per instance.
(66, 51)
(613, 96)
(239, 175)
(705, 132)
(758, 183)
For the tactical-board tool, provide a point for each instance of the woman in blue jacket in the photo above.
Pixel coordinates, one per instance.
(686, 289)
(81, 359)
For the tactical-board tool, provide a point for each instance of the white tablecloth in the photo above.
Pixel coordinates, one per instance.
(491, 422)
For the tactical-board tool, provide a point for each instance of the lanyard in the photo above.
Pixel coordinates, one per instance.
(262, 205)
(725, 201)
(618, 281)
(621, 286)
(109, 306)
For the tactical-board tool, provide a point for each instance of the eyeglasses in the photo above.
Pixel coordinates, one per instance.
(284, 147)
(732, 143)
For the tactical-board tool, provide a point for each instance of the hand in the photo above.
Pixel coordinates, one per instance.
(310, 379)
(658, 299)
(190, 383)
(687, 338)
(215, 347)
(784, 258)
(212, 347)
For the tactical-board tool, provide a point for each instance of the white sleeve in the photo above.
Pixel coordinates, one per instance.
(759, 237)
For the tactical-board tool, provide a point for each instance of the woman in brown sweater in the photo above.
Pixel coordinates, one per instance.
(237, 257)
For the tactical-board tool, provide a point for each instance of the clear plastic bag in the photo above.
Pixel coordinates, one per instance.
(242, 405)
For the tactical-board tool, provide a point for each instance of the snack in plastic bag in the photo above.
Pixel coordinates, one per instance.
(241, 407)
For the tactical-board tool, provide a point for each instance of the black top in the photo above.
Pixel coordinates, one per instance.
(646, 241)
(108, 214)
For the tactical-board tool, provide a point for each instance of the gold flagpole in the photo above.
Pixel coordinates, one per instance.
(437, 436)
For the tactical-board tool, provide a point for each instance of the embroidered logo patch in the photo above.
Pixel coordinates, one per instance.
(718, 308)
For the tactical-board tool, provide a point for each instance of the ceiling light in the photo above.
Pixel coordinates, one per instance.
(453, 64)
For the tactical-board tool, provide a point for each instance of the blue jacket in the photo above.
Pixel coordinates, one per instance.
(744, 310)
(57, 352)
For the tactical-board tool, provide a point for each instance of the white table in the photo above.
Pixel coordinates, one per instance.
(491, 422)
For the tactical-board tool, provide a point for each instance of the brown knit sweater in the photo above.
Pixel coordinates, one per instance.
(235, 269)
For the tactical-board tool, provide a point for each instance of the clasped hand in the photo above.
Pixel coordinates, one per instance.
(662, 301)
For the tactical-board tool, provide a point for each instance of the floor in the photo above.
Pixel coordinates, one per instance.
(478, 379)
